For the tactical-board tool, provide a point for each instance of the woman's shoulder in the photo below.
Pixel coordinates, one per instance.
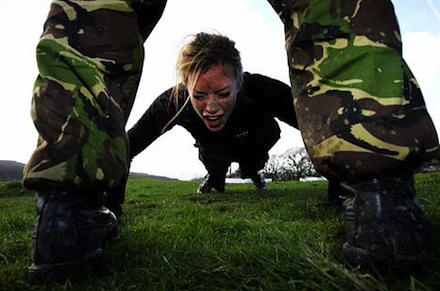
(248, 76)
(253, 83)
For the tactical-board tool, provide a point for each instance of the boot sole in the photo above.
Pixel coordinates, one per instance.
(360, 257)
(66, 268)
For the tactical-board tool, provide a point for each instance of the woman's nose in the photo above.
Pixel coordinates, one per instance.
(212, 105)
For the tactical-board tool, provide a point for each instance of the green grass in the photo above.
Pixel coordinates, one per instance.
(174, 239)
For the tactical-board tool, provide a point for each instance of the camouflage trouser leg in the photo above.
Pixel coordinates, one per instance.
(360, 110)
(90, 60)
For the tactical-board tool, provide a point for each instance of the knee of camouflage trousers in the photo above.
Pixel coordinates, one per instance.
(359, 108)
(84, 93)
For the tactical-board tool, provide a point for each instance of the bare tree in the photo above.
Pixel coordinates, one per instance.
(274, 168)
(300, 163)
(294, 164)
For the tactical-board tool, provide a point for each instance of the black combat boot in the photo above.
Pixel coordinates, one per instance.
(335, 196)
(70, 233)
(385, 226)
(210, 182)
(259, 181)
(113, 200)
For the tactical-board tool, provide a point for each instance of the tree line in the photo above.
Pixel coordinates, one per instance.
(293, 164)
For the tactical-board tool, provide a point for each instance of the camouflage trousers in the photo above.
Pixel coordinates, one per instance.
(360, 110)
(90, 58)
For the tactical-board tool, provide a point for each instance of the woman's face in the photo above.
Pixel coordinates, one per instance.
(214, 97)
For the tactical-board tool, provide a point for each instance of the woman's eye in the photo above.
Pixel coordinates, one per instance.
(198, 97)
(224, 94)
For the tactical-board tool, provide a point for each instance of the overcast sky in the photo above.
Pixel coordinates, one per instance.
(251, 23)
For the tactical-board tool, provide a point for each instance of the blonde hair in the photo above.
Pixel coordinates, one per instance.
(205, 51)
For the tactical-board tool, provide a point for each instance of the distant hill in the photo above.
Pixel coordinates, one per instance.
(143, 175)
(12, 170)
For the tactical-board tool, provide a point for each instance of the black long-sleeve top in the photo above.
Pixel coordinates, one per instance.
(251, 124)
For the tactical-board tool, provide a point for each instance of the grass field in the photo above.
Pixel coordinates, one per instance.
(174, 239)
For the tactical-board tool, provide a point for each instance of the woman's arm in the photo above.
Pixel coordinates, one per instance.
(153, 122)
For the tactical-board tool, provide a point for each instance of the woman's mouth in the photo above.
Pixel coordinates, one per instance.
(213, 121)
